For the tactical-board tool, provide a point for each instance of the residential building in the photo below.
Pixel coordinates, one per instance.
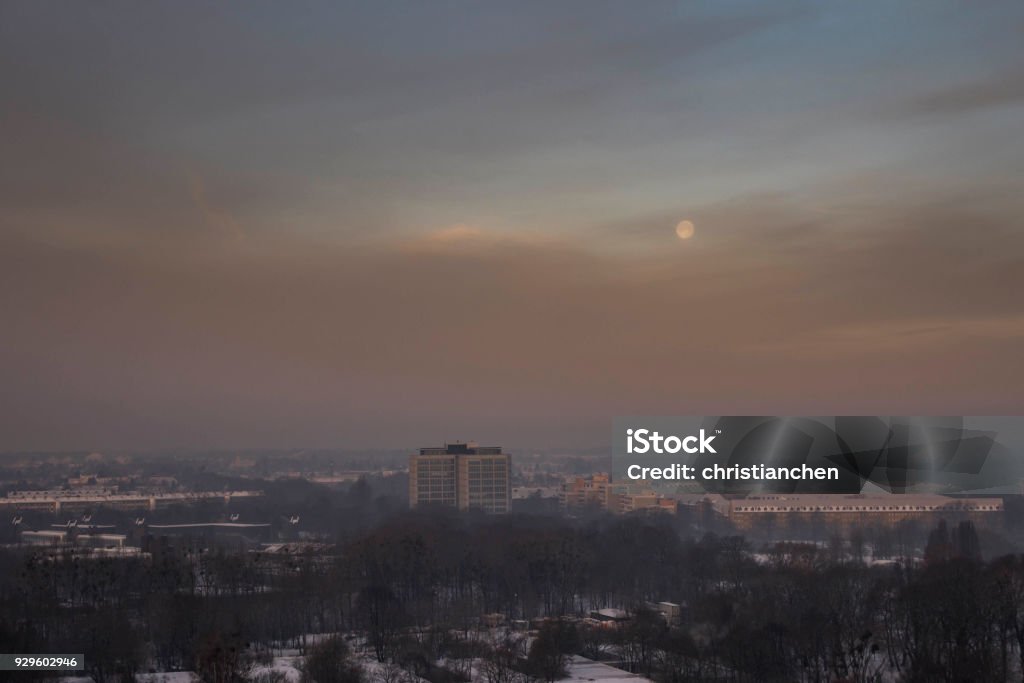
(598, 491)
(462, 475)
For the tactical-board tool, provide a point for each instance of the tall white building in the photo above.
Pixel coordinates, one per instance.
(461, 475)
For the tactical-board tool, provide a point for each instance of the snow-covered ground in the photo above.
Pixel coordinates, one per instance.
(373, 670)
(286, 666)
(283, 666)
(583, 669)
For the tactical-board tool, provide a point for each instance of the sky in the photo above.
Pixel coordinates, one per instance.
(390, 224)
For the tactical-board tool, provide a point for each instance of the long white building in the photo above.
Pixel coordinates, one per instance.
(58, 500)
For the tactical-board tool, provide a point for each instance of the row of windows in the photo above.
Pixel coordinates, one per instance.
(425, 478)
(496, 509)
(875, 508)
(450, 483)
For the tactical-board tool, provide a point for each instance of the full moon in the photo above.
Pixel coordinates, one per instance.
(684, 230)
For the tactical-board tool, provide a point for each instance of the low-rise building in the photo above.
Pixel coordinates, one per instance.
(859, 509)
(598, 491)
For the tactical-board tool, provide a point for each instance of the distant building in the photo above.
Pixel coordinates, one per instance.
(610, 615)
(671, 612)
(860, 509)
(462, 475)
(647, 500)
(598, 490)
(62, 537)
(44, 537)
(81, 499)
(583, 669)
(539, 492)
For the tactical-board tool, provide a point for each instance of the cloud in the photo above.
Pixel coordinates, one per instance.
(454, 233)
(464, 219)
(471, 240)
(1003, 90)
(292, 342)
(216, 219)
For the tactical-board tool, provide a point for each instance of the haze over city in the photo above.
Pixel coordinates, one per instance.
(398, 226)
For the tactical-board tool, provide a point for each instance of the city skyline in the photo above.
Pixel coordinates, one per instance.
(388, 226)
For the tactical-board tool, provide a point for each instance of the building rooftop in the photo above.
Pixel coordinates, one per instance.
(910, 502)
(462, 448)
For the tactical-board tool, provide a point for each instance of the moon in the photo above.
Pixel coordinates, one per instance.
(684, 230)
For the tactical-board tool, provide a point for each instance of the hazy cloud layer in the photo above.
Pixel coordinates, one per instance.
(280, 342)
(302, 225)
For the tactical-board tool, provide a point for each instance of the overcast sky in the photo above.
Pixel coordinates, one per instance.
(313, 224)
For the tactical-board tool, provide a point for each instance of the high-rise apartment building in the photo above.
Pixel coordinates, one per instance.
(461, 475)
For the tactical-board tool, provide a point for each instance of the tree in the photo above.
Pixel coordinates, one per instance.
(391, 672)
(380, 613)
(640, 635)
(502, 663)
(548, 659)
(220, 658)
(939, 548)
(115, 648)
(965, 542)
(329, 662)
